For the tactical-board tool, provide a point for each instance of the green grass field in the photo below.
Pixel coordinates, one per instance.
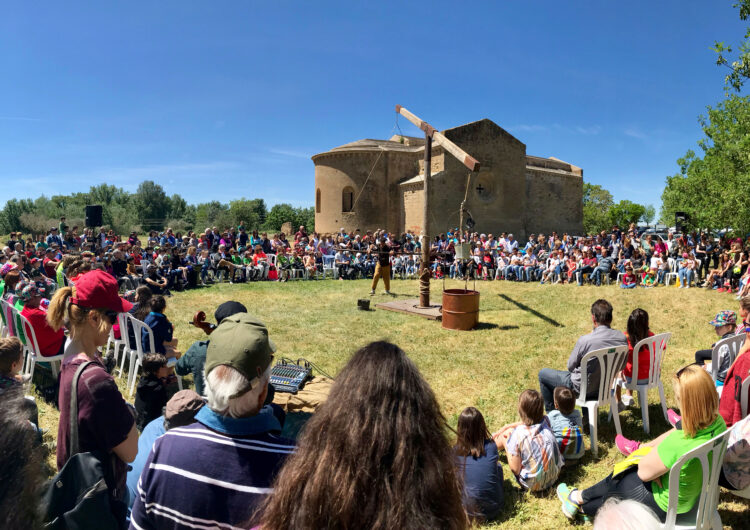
(524, 327)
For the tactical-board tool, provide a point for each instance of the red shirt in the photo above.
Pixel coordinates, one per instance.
(644, 360)
(259, 256)
(49, 267)
(49, 340)
(729, 404)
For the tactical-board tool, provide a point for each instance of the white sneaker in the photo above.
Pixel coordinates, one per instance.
(372, 292)
(627, 400)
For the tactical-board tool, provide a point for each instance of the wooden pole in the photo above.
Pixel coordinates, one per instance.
(424, 273)
(470, 162)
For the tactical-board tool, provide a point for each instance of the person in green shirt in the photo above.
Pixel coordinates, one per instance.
(647, 481)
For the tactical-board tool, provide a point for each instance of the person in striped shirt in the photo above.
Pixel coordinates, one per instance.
(217, 471)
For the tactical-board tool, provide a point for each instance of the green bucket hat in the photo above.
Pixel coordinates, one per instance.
(240, 341)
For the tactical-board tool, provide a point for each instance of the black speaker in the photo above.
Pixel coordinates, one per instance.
(93, 215)
(680, 220)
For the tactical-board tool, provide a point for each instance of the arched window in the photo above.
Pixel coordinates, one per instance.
(317, 201)
(347, 199)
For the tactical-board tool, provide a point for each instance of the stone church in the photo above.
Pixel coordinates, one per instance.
(371, 184)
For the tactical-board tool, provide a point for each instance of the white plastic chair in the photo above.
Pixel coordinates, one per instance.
(735, 344)
(329, 265)
(743, 396)
(116, 344)
(704, 514)
(672, 273)
(611, 360)
(136, 355)
(656, 347)
(32, 355)
(4, 329)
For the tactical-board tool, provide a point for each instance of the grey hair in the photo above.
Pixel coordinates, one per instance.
(615, 514)
(223, 382)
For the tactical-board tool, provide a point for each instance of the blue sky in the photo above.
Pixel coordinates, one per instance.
(221, 100)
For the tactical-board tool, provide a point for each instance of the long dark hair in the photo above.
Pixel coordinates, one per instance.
(637, 326)
(375, 455)
(472, 433)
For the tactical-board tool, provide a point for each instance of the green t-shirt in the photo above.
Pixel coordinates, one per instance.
(670, 451)
(59, 275)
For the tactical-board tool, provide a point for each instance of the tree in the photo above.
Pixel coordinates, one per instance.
(739, 68)
(10, 218)
(649, 213)
(625, 212)
(152, 205)
(280, 214)
(207, 213)
(244, 211)
(713, 190)
(596, 204)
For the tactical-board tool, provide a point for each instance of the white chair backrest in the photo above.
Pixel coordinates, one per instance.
(743, 395)
(28, 331)
(734, 343)
(656, 347)
(272, 259)
(329, 261)
(708, 501)
(610, 362)
(4, 313)
(128, 320)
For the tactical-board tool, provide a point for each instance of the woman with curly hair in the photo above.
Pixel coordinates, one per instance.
(375, 455)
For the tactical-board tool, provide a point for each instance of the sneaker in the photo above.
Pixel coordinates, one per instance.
(25, 378)
(372, 292)
(626, 446)
(627, 400)
(720, 289)
(673, 417)
(569, 508)
(389, 293)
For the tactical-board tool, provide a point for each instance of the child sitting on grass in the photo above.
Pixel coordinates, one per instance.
(649, 278)
(629, 280)
(533, 454)
(567, 423)
(476, 459)
(151, 395)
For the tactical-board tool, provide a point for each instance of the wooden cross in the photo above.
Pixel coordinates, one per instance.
(470, 162)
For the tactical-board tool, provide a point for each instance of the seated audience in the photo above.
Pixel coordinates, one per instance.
(637, 330)
(648, 481)
(151, 394)
(567, 424)
(724, 325)
(50, 342)
(533, 454)
(162, 330)
(221, 468)
(477, 466)
(342, 477)
(601, 337)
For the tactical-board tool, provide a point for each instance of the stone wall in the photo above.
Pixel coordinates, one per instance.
(554, 202)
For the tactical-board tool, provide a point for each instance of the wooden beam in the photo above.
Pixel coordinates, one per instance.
(466, 159)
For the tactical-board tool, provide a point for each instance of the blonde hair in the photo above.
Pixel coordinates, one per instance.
(696, 394)
(62, 312)
(745, 303)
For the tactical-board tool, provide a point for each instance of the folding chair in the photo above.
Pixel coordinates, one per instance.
(329, 265)
(4, 329)
(705, 513)
(610, 362)
(656, 347)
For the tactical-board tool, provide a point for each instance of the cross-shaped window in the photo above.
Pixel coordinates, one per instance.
(480, 189)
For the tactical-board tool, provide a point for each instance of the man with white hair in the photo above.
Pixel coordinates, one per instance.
(215, 472)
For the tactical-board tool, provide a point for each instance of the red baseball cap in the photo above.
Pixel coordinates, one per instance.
(98, 290)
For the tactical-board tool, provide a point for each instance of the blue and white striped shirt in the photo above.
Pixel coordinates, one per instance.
(211, 474)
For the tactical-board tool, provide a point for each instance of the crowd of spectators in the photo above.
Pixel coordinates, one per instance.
(407, 473)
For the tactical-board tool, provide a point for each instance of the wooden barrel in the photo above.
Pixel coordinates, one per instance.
(460, 309)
